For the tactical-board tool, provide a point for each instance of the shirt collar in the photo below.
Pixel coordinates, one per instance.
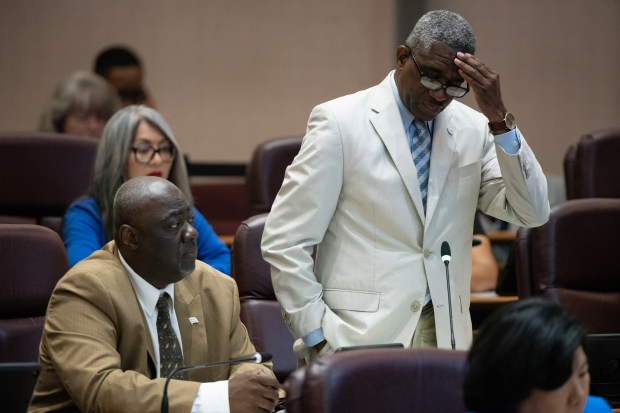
(405, 116)
(146, 293)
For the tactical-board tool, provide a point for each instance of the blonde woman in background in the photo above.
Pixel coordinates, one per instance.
(80, 105)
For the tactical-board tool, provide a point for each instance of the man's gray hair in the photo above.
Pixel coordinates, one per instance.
(445, 27)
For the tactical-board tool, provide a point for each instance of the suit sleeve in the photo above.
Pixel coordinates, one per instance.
(211, 249)
(514, 187)
(82, 230)
(299, 219)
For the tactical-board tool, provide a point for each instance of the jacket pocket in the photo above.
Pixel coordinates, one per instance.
(337, 299)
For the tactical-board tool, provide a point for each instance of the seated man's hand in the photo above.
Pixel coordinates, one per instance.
(252, 391)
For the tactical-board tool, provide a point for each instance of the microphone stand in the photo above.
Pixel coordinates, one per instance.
(446, 256)
(452, 341)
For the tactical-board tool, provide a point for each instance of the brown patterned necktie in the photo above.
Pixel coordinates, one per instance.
(170, 355)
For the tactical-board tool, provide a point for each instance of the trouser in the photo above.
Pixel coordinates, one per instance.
(425, 334)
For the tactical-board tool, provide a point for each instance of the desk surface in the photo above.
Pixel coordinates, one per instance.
(491, 298)
(227, 239)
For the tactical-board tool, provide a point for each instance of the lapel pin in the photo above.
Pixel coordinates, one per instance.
(193, 320)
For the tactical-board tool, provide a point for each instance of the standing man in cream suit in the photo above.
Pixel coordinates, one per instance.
(354, 192)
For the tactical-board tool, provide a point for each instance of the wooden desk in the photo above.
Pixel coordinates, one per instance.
(483, 304)
(491, 298)
(227, 239)
(502, 237)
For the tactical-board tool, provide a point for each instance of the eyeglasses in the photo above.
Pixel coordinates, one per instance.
(145, 154)
(434, 84)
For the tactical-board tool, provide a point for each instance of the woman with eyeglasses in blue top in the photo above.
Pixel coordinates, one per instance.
(136, 141)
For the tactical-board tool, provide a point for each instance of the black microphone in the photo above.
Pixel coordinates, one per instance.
(446, 256)
(254, 358)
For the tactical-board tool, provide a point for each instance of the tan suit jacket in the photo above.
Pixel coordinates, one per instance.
(96, 353)
(353, 190)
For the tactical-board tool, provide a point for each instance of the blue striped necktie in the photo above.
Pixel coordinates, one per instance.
(421, 154)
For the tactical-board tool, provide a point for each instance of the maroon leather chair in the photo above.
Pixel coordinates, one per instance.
(41, 174)
(222, 200)
(591, 167)
(32, 260)
(260, 312)
(266, 170)
(379, 380)
(571, 260)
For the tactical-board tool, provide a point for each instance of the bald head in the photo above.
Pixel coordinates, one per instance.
(134, 197)
(153, 229)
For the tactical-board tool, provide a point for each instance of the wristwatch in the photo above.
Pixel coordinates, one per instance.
(504, 125)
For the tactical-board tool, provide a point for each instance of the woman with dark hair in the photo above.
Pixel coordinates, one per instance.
(136, 141)
(528, 357)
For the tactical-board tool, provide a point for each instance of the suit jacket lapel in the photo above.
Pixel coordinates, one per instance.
(128, 296)
(386, 122)
(442, 152)
(192, 325)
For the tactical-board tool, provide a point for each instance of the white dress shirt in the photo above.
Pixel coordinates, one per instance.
(211, 397)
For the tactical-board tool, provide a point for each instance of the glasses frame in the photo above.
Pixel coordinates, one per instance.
(444, 87)
(158, 151)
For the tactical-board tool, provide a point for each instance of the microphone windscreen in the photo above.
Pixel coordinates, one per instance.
(445, 252)
(263, 357)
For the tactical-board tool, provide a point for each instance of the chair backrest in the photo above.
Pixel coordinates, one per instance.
(379, 380)
(33, 259)
(591, 167)
(222, 200)
(42, 173)
(570, 260)
(260, 311)
(266, 171)
(569, 171)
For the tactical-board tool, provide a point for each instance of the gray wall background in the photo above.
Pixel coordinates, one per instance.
(228, 75)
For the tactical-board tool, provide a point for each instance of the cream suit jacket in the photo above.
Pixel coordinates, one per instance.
(353, 191)
(96, 353)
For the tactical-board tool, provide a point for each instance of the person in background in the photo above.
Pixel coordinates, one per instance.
(137, 141)
(120, 66)
(121, 321)
(484, 268)
(528, 357)
(80, 105)
(384, 176)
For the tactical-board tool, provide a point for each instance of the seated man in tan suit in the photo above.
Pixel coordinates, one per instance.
(108, 343)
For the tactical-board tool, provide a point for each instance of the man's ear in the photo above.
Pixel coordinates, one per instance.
(128, 235)
(402, 54)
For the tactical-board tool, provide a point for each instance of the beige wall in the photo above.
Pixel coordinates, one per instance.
(228, 75)
(559, 63)
(225, 74)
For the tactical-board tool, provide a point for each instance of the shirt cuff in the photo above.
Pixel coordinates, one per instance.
(509, 141)
(212, 398)
(313, 338)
